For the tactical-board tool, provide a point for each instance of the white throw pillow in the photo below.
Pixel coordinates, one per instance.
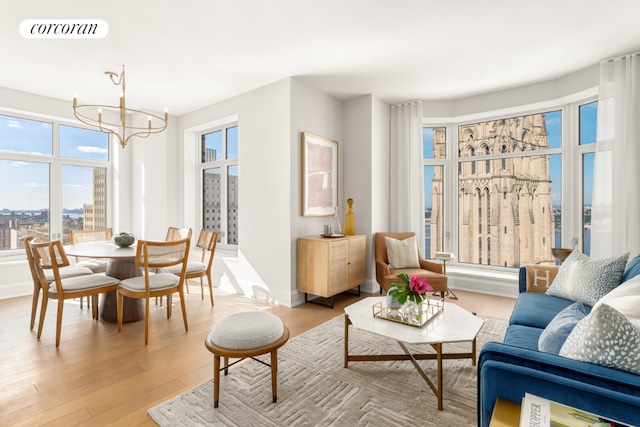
(625, 299)
(402, 253)
(583, 279)
(606, 338)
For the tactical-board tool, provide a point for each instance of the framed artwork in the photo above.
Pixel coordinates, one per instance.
(319, 175)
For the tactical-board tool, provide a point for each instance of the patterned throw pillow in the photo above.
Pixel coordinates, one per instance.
(583, 279)
(402, 253)
(606, 338)
(557, 331)
(625, 299)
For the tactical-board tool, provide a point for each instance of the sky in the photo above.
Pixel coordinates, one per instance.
(588, 115)
(29, 180)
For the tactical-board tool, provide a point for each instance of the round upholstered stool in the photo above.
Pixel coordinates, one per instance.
(243, 335)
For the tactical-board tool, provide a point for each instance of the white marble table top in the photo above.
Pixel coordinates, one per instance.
(453, 324)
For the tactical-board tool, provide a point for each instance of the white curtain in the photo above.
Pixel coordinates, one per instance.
(407, 186)
(615, 221)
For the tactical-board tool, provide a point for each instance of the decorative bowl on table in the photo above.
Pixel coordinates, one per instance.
(124, 240)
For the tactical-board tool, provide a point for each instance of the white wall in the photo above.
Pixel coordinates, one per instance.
(153, 201)
(315, 112)
(524, 95)
(262, 265)
(366, 170)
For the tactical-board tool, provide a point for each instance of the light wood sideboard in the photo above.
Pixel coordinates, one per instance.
(329, 266)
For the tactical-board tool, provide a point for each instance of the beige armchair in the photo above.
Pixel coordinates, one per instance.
(385, 275)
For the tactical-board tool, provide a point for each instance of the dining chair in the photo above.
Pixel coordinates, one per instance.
(64, 273)
(175, 233)
(153, 256)
(207, 241)
(88, 236)
(51, 255)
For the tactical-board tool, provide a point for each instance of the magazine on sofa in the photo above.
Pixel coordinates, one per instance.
(540, 412)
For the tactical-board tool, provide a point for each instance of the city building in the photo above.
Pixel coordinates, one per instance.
(505, 210)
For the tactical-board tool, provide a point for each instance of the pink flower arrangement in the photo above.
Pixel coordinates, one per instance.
(412, 288)
(420, 285)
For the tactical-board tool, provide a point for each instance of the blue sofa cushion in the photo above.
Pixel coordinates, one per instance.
(583, 279)
(538, 310)
(557, 331)
(522, 336)
(631, 270)
(605, 338)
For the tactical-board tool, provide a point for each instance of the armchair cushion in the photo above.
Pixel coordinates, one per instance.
(402, 253)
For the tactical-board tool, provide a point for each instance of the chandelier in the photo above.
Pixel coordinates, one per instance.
(122, 130)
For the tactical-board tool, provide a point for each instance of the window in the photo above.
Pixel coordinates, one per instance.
(58, 177)
(588, 120)
(434, 154)
(509, 207)
(528, 149)
(219, 171)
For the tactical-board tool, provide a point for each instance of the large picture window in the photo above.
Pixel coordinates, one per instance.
(505, 203)
(434, 153)
(58, 177)
(509, 190)
(588, 121)
(219, 171)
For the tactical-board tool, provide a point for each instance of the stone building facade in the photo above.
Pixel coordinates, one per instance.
(505, 212)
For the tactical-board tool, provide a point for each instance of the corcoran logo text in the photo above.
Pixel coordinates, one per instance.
(64, 28)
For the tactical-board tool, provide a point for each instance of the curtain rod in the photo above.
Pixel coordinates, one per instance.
(406, 103)
(620, 57)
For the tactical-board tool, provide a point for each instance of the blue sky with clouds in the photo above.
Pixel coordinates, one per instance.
(29, 180)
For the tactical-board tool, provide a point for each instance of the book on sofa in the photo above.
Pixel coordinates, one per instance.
(540, 412)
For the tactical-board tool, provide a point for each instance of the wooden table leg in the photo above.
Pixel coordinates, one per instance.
(347, 322)
(133, 308)
(216, 380)
(438, 348)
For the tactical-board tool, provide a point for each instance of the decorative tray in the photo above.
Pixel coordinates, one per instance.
(399, 315)
(329, 236)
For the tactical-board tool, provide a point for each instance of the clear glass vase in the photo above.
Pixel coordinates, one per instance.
(412, 312)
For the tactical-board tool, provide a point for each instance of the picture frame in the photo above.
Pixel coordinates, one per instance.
(319, 175)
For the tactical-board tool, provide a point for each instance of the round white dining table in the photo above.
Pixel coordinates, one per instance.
(121, 265)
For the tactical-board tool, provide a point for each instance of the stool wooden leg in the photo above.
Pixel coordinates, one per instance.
(226, 366)
(216, 380)
(274, 375)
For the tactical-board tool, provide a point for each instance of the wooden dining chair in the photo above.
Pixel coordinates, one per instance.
(207, 241)
(51, 255)
(89, 236)
(151, 256)
(176, 233)
(64, 273)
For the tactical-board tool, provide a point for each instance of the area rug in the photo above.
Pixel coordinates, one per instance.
(314, 389)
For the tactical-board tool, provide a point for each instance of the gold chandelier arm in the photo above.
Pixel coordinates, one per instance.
(123, 112)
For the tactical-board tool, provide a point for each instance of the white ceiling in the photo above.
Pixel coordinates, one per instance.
(188, 54)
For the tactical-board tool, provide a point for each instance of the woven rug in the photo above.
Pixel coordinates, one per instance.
(315, 390)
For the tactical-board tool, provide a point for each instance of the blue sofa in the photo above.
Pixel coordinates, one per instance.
(515, 367)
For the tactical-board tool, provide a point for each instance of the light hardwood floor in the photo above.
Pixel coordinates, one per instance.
(100, 377)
